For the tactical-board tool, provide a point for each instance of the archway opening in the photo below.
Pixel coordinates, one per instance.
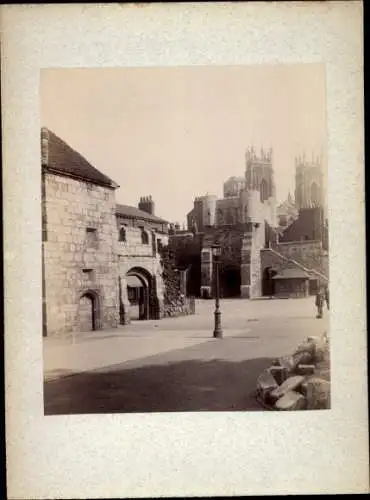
(314, 194)
(230, 281)
(142, 294)
(268, 284)
(88, 312)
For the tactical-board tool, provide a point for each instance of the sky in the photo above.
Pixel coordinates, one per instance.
(177, 133)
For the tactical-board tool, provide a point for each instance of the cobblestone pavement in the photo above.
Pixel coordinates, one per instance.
(174, 364)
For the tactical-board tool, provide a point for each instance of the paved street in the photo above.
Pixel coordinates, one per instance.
(174, 364)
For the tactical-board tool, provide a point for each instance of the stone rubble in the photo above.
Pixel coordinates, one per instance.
(300, 381)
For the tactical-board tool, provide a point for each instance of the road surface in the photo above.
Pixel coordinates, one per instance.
(175, 364)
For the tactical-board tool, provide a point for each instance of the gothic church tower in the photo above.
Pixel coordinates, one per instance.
(308, 183)
(259, 200)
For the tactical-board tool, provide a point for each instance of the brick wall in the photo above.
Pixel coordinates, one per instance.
(71, 208)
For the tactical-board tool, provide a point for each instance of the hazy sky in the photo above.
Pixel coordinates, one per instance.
(176, 133)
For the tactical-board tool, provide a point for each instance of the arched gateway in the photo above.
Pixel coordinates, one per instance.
(142, 294)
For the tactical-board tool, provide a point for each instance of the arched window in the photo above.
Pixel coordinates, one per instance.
(144, 237)
(314, 194)
(122, 234)
(263, 191)
(246, 213)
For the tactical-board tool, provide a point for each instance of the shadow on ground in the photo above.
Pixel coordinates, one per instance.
(190, 385)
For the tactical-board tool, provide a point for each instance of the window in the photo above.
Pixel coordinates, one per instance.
(122, 234)
(144, 237)
(92, 236)
(159, 245)
(88, 274)
(263, 191)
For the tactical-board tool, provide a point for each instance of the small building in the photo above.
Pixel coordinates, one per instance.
(80, 263)
(291, 282)
(101, 262)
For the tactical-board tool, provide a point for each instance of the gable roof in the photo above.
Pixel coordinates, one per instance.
(131, 212)
(60, 158)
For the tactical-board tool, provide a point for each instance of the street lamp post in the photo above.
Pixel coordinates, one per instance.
(216, 252)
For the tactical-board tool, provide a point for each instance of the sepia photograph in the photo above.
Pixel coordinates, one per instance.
(184, 249)
(185, 254)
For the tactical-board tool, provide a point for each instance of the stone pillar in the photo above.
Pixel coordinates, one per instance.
(124, 304)
(245, 265)
(156, 302)
(207, 268)
(257, 244)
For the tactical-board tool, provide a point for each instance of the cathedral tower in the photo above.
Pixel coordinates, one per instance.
(259, 202)
(308, 183)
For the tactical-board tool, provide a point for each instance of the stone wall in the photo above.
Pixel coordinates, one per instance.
(207, 273)
(245, 267)
(228, 211)
(258, 243)
(80, 238)
(144, 259)
(308, 253)
(184, 306)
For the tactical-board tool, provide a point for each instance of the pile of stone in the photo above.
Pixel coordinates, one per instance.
(171, 279)
(175, 307)
(300, 381)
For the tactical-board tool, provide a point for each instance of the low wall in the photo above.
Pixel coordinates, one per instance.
(182, 307)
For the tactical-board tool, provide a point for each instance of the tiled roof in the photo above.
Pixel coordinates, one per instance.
(62, 159)
(135, 213)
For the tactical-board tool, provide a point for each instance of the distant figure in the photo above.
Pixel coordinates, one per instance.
(327, 296)
(319, 302)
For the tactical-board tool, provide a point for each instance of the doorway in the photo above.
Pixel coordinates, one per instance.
(88, 312)
(268, 284)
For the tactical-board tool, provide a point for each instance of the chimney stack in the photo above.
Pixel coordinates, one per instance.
(146, 204)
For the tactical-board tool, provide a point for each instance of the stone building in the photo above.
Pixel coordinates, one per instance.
(141, 235)
(287, 212)
(309, 186)
(245, 199)
(256, 247)
(100, 260)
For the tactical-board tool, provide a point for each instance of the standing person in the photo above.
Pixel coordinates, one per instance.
(319, 302)
(327, 296)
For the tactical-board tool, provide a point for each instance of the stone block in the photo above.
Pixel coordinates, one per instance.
(290, 384)
(266, 383)
(320, 347)
(303, 369)
(317, 392)
(279, 373)
(303, 358)
(291, 401)
(306, 346)
(287, 363)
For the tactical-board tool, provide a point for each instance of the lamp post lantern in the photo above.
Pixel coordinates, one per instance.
(216, 252)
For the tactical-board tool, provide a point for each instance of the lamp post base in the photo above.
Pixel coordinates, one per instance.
(217, 332)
